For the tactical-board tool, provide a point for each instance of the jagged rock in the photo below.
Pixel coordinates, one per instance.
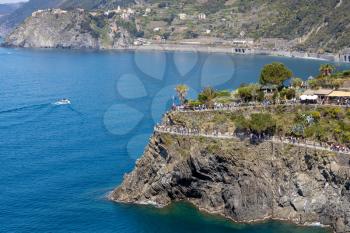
(241, 181)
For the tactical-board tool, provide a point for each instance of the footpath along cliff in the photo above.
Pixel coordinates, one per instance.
(242, 181)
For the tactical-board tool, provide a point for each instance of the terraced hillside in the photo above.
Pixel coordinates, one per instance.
(312, 25)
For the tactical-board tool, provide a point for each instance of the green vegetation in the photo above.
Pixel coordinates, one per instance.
(275, 74)
(256, 123)
(327, 69)
(207, 96)
(181, 91)
(324, 124)
(297, 82)
(251, 92)
(323, 25)
(272, 86)
(328, 79)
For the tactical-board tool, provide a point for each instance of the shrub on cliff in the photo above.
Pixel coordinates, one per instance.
(250, 92)
(207, 96)
(262, 123)
(287, 94)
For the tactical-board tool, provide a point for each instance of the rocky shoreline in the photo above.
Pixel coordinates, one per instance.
(215, 213)
(201, 49)
(242, 182)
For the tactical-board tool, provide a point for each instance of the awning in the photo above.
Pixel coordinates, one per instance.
(340, 94)
(323, 91)
(318, 92)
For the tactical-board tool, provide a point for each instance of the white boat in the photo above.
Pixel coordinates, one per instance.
(63, 102)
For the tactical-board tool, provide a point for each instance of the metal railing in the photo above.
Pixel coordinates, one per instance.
(183, 131)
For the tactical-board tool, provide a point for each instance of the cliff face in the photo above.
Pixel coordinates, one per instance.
(10, 21)
(68, 29)
(241, 181)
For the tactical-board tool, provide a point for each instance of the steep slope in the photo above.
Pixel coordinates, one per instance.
(241, 181)
(8, 23)
(69, 29)
(11, 21)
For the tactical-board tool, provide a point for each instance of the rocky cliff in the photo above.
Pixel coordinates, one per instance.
(69, 29)
(15, 18)
(241, 181)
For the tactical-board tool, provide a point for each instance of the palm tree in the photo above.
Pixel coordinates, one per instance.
(207, 96)
(182, 90)
(297, 82)
(327, 69)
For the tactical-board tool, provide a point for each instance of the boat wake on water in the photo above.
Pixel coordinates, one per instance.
(31, 113)
(30, 107)
(22, 115)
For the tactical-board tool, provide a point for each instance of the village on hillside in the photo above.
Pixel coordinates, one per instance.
(155, 24)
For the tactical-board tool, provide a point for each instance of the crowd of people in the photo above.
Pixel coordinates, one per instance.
(216, 106)
(266, 103)
(339, 148)
(254, 138)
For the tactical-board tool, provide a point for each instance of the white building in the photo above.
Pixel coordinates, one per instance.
(182, 16)
(59, 11)
(243, 42)
(37, 12)
(202, 16)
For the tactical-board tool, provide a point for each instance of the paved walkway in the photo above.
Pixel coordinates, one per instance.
(237, 107)
(311, 145)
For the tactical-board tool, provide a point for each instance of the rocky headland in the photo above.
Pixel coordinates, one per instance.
(242, 181)
(75, 29)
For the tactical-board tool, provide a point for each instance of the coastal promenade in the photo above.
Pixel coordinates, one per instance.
(181, 131)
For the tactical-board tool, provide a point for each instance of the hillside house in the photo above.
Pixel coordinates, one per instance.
(202, 16)
(182, 16)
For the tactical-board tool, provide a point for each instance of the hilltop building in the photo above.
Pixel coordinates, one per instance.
(243, 42)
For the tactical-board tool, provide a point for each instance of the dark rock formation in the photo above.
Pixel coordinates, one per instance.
(241, 181)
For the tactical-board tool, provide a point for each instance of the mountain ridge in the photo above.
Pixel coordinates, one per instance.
(307, 25)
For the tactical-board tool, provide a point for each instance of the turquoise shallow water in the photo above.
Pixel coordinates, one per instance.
(58, 162)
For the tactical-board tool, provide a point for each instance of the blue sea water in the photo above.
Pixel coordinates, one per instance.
(58, 162)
